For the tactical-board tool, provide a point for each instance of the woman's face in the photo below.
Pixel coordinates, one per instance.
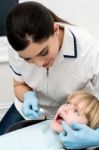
(42, 54)
(69, 112)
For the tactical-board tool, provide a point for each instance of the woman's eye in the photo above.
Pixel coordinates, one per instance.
(44, 53)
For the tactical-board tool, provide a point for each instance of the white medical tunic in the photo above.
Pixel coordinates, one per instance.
(76, 64)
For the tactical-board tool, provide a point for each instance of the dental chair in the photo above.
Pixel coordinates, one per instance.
(22, 124)
(32, 137)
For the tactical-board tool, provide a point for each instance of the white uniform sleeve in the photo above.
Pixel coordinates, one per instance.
(95, 80)
(95, 83)
(14, 65)
(92, 67)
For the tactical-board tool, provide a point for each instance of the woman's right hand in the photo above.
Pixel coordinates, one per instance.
(30, 105)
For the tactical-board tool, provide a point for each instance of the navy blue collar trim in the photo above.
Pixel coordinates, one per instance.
(15, 71)
(75, 47)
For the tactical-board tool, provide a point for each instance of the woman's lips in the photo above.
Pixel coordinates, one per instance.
(46, 65)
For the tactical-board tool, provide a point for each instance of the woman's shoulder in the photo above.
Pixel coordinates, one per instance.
(82, 34)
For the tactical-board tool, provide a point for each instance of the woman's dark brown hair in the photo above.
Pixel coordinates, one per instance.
(29, 20)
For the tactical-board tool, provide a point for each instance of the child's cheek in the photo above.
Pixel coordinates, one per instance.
(69, 120)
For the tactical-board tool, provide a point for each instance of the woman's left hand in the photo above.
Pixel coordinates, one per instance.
(79, 136)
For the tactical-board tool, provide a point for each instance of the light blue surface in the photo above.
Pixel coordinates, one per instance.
(35, 137)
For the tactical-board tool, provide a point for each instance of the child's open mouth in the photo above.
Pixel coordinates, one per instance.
(59, 118)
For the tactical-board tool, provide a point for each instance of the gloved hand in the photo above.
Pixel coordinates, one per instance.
(79, 136)
(30, 105)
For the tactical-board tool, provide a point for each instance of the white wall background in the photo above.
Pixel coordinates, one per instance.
(81, 12)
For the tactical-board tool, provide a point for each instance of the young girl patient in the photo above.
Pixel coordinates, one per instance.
(80, 107)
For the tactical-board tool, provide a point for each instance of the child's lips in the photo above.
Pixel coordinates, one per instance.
(59, 121)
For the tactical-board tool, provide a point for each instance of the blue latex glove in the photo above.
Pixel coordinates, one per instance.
(30, 105)
(79, 136)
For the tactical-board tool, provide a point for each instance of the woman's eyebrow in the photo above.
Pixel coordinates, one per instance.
(25, 58)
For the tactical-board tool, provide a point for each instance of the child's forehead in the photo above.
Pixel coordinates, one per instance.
(74, 98)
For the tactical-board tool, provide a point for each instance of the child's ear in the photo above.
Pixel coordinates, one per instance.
(56, 28)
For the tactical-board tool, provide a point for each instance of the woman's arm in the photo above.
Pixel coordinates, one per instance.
(25, 94)
(20, 89)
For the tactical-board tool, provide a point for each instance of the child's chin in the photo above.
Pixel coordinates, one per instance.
(55, 129)
(58, 130)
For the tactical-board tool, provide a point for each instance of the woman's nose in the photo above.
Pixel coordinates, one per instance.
(39, 62)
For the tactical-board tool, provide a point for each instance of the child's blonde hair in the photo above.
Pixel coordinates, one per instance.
(92, 106)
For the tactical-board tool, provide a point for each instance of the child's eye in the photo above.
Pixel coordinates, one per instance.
(67, 102)
(76, 111)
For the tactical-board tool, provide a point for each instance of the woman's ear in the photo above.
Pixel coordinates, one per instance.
(56, 28)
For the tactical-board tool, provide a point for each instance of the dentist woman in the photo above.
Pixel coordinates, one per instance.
(49, 58)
